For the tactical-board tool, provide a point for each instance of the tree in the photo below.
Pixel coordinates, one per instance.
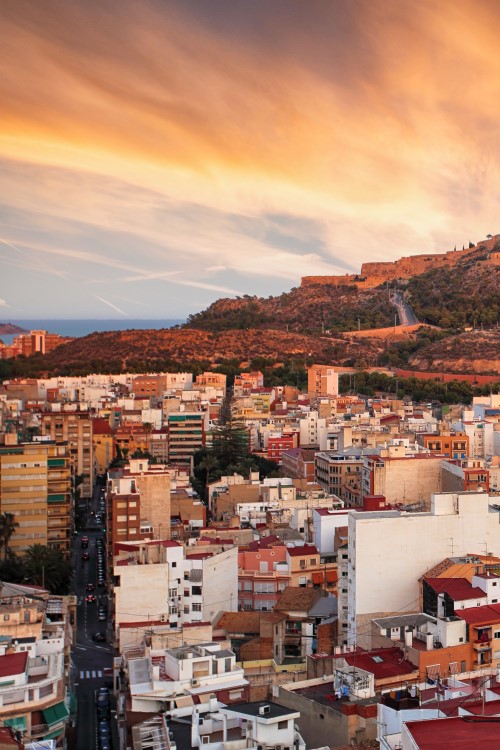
(208, 464)
(8, 525)
(47, 567)
(230, 440)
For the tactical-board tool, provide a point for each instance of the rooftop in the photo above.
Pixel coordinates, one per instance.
(266, 709)
(457, 588)
(13, 664)
(302, 550)
(381, 662)
(489, 613)
(457, 733)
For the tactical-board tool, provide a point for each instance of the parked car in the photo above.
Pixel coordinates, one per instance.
(90, 599)
(101, 615)
(90, 587)
(99, 637)
(85, 556)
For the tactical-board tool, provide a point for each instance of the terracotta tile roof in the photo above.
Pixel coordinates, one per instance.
(297, 599)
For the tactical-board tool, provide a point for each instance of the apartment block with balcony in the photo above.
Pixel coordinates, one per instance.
(75, 428)
(186, 434)
(36, 487)
(339, 473)
(179, 679)
(34, 662)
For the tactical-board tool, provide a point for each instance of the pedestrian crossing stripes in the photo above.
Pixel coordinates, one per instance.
(91, 674)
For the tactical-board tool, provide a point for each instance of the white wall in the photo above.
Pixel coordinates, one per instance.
(220, 584)
(389, 551)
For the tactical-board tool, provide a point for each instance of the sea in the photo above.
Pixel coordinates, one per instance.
(82, 327)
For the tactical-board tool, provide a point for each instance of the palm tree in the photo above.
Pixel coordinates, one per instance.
(8, 525)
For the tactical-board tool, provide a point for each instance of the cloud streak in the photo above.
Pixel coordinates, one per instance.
(155, 145)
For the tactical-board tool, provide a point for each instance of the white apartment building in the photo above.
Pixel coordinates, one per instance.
(156, 582)
(388, 551)
(169, 679)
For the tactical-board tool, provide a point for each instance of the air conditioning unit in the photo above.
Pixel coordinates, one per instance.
(195, 682)
(163, 618)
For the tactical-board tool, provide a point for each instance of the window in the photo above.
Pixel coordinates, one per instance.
(196, 607)
(6, 618)
(174, 564)
(496, 634)
(312, 561)
(282, 724)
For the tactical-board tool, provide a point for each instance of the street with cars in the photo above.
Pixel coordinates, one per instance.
(92, 655)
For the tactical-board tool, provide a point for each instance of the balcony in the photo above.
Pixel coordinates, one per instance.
(482, 644)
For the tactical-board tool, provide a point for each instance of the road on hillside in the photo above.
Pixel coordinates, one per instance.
(406, 315)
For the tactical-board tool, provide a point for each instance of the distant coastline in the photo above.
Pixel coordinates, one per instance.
(75, 328)
(9, 329)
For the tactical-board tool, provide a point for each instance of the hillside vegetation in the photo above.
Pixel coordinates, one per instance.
(311, 309)
(466, 295)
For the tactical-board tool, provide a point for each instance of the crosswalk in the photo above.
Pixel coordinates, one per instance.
(91, 674)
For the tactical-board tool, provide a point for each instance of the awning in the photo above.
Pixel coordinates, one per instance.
(184, 701)
(332, 576)
(19, 722)
(55, 714)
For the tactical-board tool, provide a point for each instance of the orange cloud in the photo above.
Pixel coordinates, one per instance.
(378, 120)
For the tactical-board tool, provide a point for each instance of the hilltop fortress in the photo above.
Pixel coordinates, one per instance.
(374, 274)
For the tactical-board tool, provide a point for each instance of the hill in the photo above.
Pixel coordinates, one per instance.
(310, 322)
(471, 352)
(313, 308)
(149, 350)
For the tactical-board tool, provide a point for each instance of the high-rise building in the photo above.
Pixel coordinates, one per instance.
(36, 487)
(76, 429)
(322, 380)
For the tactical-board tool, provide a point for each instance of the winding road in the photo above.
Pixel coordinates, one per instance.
(406, 315)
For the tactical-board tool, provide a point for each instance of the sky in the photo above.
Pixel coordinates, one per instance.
(158, 155)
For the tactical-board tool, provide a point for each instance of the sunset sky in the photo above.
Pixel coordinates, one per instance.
(159, 154)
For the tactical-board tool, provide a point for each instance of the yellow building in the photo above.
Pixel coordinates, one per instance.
(76, 429)
(35, 486)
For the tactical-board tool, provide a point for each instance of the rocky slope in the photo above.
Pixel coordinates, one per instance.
(471, 352)
(116, 351)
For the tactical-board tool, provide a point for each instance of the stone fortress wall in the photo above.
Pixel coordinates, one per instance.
(375, 274)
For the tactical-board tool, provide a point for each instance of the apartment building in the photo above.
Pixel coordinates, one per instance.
(263, 574)
(36, 487)
(104, 444)
(34, 662)
(382, 584)
(155, 581)
(465, 475)
(340, 473)
(138, 502)
(75, 428)
(450, 445)
(322, 380)
(186, 434)
(401, 474)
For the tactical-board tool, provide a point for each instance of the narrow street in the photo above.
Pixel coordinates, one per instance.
(91, 661)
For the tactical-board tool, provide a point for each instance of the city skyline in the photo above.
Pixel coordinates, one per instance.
(157, 156)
